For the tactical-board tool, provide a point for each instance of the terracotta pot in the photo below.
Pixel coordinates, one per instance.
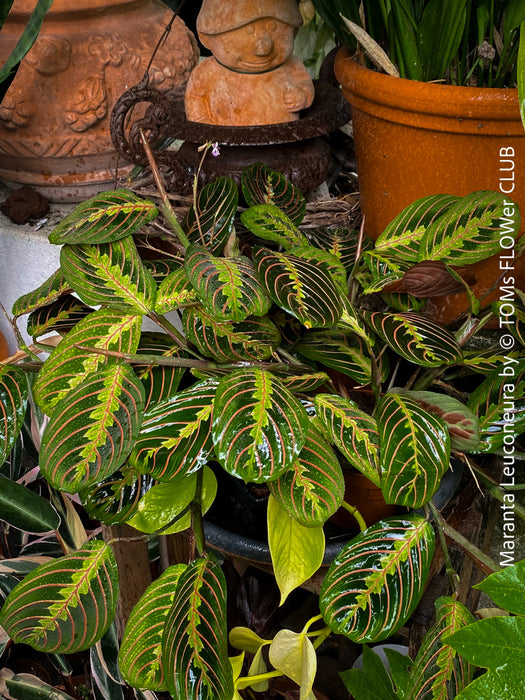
(367, 498)
(414, 139)
(54, 119)
(4, 349)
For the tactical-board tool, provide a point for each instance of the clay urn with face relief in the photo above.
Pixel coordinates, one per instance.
(252, 78)
(54, 119)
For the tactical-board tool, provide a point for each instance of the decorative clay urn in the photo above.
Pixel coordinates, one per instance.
(252, 78)
(54, 119)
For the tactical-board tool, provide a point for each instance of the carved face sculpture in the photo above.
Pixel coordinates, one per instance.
(256, 47)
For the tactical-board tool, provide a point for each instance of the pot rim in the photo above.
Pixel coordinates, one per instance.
(362, 83)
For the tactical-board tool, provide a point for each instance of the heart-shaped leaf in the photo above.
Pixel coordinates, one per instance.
(253, 339)
(415, 337)
(375, 583)
(228, 287)
(92, 429)
(293, 654)
(140, 655)
(352, 431)
(302, 288)
(59, 316)
(162, 381)
(105, 329)
(13, 402)
(270, 223)
(110, 274)
(401, 239)
(261, 185)
(297, 551)
(48, 292)
(470, 230)
(211, 222)
(438, 671)
(66, 605)
(313, 489)
(259, 427)
(175, 436)
(115, 499)
(338, 351)
(195, 640)
(106, 217)
(415, 450)
(24, 509)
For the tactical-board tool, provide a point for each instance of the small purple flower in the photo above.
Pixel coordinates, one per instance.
(216, 151)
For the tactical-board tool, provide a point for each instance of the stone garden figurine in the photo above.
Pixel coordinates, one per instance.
(252, 78)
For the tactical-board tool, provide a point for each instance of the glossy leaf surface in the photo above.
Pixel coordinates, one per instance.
(92, 429)
(48, 292)
(68, 365)
(228, 287)
(262, 185)
(300, 287)
(161, 381)
(313, 489)
(174, 292)
(259, 427)
(13, 402)
(211, 222)
(106, 217)
(66, 605)
(376, 581)
(415, 337)
(59, 316)
(352, 431)
(340, 351)
(195, 641)
(341, 242)
(25, 509)
(110, 274)
(175, 436)
(140, 655)
(115, 499)
(270, 223)
(414, 448)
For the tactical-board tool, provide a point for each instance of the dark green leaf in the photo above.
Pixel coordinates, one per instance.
(338, 351)
(162, 381)
(174, 292)
(26, 41)
(24, 686)
(270, 223)
(13, 402)
(341, 242)
(211, 223)
(24, 509)
(507, 588)
(59, 316)
(115, 499)
(261, 185)
(48, 292)
(372, 682)
(106, 217)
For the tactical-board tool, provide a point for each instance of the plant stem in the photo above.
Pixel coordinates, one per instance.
(451, 572)
(497, 492)
(196, 516)
(482, 560)
(170, 329)
(357, 515)
(323, 636)
(166, 206)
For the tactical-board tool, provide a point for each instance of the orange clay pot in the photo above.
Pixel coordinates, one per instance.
(4, 350)
(414, 139)
(367, 498)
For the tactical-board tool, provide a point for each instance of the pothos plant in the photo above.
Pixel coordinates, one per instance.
(282, 352)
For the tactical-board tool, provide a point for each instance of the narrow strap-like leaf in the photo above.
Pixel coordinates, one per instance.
(27, 39)
(106, 217)
(66, 605)
(13, 402)
(92, 429)
(195, 642)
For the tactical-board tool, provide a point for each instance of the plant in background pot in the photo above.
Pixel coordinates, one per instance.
(285, 330)
(450, 123)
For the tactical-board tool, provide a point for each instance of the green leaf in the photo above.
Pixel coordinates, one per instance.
(440, 33)
(470, 230)
(13, 403)
(28, 38)
(211, 222)
(174, 292)
(313, 489)
(115, 499)
(48, 292)
(68, 365)
(166, 506)
(507, 588)
(245, 639)
(414, 448)
(24, 686)
(297, 551)
(175, 436)
(195, 640)
(415, 337)
(341, 242)
(343, 352)
(302, 288)
(111, 274)
(64, 606)
(438, 672)
(270, 223)
(92, 429)
(376, 581)
(521, 71)
(262, 185)
(249, 340)
(24, 509)
(60, 316)
(228, 287)
(402, 237)
(140, 656)
(328, 261)
(159, 382)
(259, 427)
(104, 218)
(106, 679)
(352, 431)
(294, 655)
(372, 682)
